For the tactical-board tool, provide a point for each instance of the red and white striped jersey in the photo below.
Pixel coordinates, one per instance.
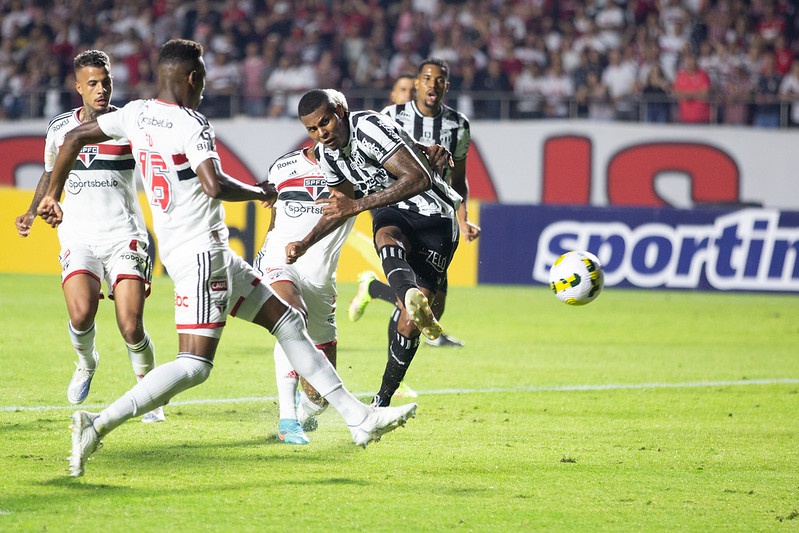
(169, 142)
(100, 205)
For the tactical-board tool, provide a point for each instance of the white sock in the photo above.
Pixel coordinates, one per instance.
(312, 364)
(142, 356)
(287, 380)
(83, 342)
(155, 390)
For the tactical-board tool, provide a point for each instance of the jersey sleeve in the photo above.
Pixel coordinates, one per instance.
(379, 137)
(464, 138)
(113, 123)
(50, 151)
(200, 144)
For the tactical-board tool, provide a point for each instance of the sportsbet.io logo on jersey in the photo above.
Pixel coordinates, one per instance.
(75, 185)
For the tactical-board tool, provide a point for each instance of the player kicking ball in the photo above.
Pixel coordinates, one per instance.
(184, 182)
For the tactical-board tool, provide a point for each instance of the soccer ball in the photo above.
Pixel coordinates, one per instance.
(577, 277)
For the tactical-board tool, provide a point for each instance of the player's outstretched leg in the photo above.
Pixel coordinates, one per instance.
(85, 441)
(362, 297)
(380, 421)
(367, 424)
(419, 311)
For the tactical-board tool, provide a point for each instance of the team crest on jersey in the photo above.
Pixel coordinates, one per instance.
(87, 155)
(314, 186)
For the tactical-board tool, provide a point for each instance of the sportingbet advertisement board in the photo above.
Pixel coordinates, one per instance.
(748, 249)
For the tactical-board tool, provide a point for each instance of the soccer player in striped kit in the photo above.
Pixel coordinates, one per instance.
(103, 236)
(184, 181)
(428, 120)
(371, 163)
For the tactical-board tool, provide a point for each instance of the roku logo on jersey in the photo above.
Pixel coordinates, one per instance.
(742, 250)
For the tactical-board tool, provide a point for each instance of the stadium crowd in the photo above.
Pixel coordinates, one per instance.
(688, 61)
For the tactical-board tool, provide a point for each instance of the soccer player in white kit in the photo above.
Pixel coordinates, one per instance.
(184, 181)
(308, 285)
(103, 236)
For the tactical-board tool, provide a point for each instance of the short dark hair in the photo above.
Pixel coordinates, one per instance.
(178, 51)
(91, 58)
(313, 100)
(440, 63)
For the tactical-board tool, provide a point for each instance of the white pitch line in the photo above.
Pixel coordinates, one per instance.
(559, 388)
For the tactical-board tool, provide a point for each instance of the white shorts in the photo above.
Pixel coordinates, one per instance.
(112, 263)
(319, 299)
(211, 285)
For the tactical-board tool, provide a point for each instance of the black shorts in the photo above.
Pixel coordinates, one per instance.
(433, 242)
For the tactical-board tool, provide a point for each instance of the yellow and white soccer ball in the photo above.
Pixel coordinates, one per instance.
(577, 277)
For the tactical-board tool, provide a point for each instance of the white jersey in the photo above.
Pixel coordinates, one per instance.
(169, 143)
(100, 205)
(299, 183)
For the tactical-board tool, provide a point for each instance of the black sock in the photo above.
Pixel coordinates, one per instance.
(401, 350)
(382, 291)
(398, 272)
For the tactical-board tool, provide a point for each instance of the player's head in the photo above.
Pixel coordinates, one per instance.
(402, 90)
(93, 80)
(431, 83)
(324, 115)
(181, 71)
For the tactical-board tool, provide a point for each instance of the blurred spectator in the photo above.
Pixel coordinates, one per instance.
(491, 81)
(655, 93)
(789, 92)
(736, 95)
(691, 88)
(596, 99)
(253, 72)
(222, 85)
(619, 78)
(558, 89)
(767, 107)
(528, 92)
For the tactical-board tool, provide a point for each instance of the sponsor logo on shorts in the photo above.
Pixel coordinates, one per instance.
(436, 260)
(181, 301)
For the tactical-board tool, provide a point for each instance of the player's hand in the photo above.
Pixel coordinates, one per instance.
(24, 223)
(294, 250)
(50, 210)
(439, 157)
(338, 205)
(469, 231)
(271, 194)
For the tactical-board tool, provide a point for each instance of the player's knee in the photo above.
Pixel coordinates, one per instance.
(197, 368)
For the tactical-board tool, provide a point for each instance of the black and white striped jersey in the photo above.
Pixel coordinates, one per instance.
(374, 138)
(449, 128)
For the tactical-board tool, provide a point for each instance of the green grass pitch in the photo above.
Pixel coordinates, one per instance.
(643, 411)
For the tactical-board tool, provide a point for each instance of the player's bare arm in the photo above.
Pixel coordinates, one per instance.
(25, 220)
(469, 231)
(412, 179)
(74, 141)
(343, 193)
(221, 186)
(438, 156)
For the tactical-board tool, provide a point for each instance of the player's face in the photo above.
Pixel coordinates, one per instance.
(196, 85)
(431, 86)
(401, 92)
(327, 126)
(95, 86)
